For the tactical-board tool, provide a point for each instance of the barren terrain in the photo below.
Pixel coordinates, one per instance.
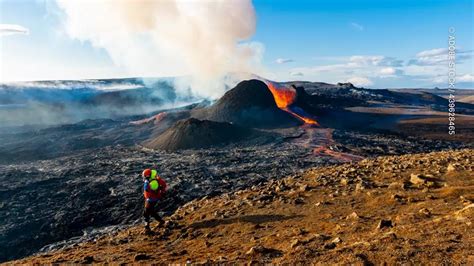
(398, 209)
(68, 184)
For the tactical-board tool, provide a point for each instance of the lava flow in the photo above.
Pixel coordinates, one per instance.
(284, 99)
(156, 119)
(326, 142)
(320, 139)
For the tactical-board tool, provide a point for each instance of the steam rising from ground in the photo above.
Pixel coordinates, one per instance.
(59, 102)
(203, 39)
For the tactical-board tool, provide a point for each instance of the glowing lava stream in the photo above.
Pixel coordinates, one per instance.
(284, 98)
(156, 119)
(327, 143)
(318, 139)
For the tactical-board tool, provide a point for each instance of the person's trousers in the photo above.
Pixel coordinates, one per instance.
(150, 211)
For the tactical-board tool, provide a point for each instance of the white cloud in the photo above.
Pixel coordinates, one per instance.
(390, 72)
(387, 71)
(360, 81)
(430, 57)
(375, 70)
(356, 26)
(443, 79)
(375, 60)
(283, 60)
(419, 70)
(466, 78)
(11, 29)
(367, 66)
(439, 79)
(432, 52)
(438, 56)
(296, 74)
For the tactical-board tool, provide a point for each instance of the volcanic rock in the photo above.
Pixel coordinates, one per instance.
(88, 259)
(417, 179)
(330, 245)
(295, 243)
(261, 250)
(424, 180)
(255, 250)
(451, 168)
(289, 234)
(140, 257)
(298, 200)
(196, 134)
(353, 216)
(251, 104)
(397, 186)
(384, 223)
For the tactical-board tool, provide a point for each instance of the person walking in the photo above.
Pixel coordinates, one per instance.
(154, 189)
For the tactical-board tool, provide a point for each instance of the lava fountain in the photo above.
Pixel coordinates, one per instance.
(285, 97)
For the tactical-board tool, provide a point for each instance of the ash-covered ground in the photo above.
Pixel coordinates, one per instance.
(70, 180)
(52, 200)
(396, 210)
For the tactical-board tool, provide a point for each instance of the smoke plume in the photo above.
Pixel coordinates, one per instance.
(203, 39)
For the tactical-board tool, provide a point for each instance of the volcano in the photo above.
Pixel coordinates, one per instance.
(196, 134)
(249, 104)
(285, 99)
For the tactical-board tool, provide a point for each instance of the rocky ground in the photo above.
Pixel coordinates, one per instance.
(73, 183)
(77, 196)
(414, 209)
(53, 200)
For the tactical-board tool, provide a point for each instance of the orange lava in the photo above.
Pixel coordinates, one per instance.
(306, 120)
(340, 156)
(156, 119)
(284, 97)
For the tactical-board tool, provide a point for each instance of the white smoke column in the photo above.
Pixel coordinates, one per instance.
(204, 39)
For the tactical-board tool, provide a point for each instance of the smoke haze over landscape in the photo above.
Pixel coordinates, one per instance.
(204, 40)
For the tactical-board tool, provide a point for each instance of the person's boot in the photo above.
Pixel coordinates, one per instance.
(161, 222)
(147, 228)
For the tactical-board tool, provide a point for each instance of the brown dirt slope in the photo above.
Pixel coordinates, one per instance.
(415, 209)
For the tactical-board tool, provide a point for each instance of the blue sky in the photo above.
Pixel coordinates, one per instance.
(370, 43)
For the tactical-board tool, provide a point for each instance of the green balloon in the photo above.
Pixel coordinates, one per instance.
(154, 185)
(154, 173)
